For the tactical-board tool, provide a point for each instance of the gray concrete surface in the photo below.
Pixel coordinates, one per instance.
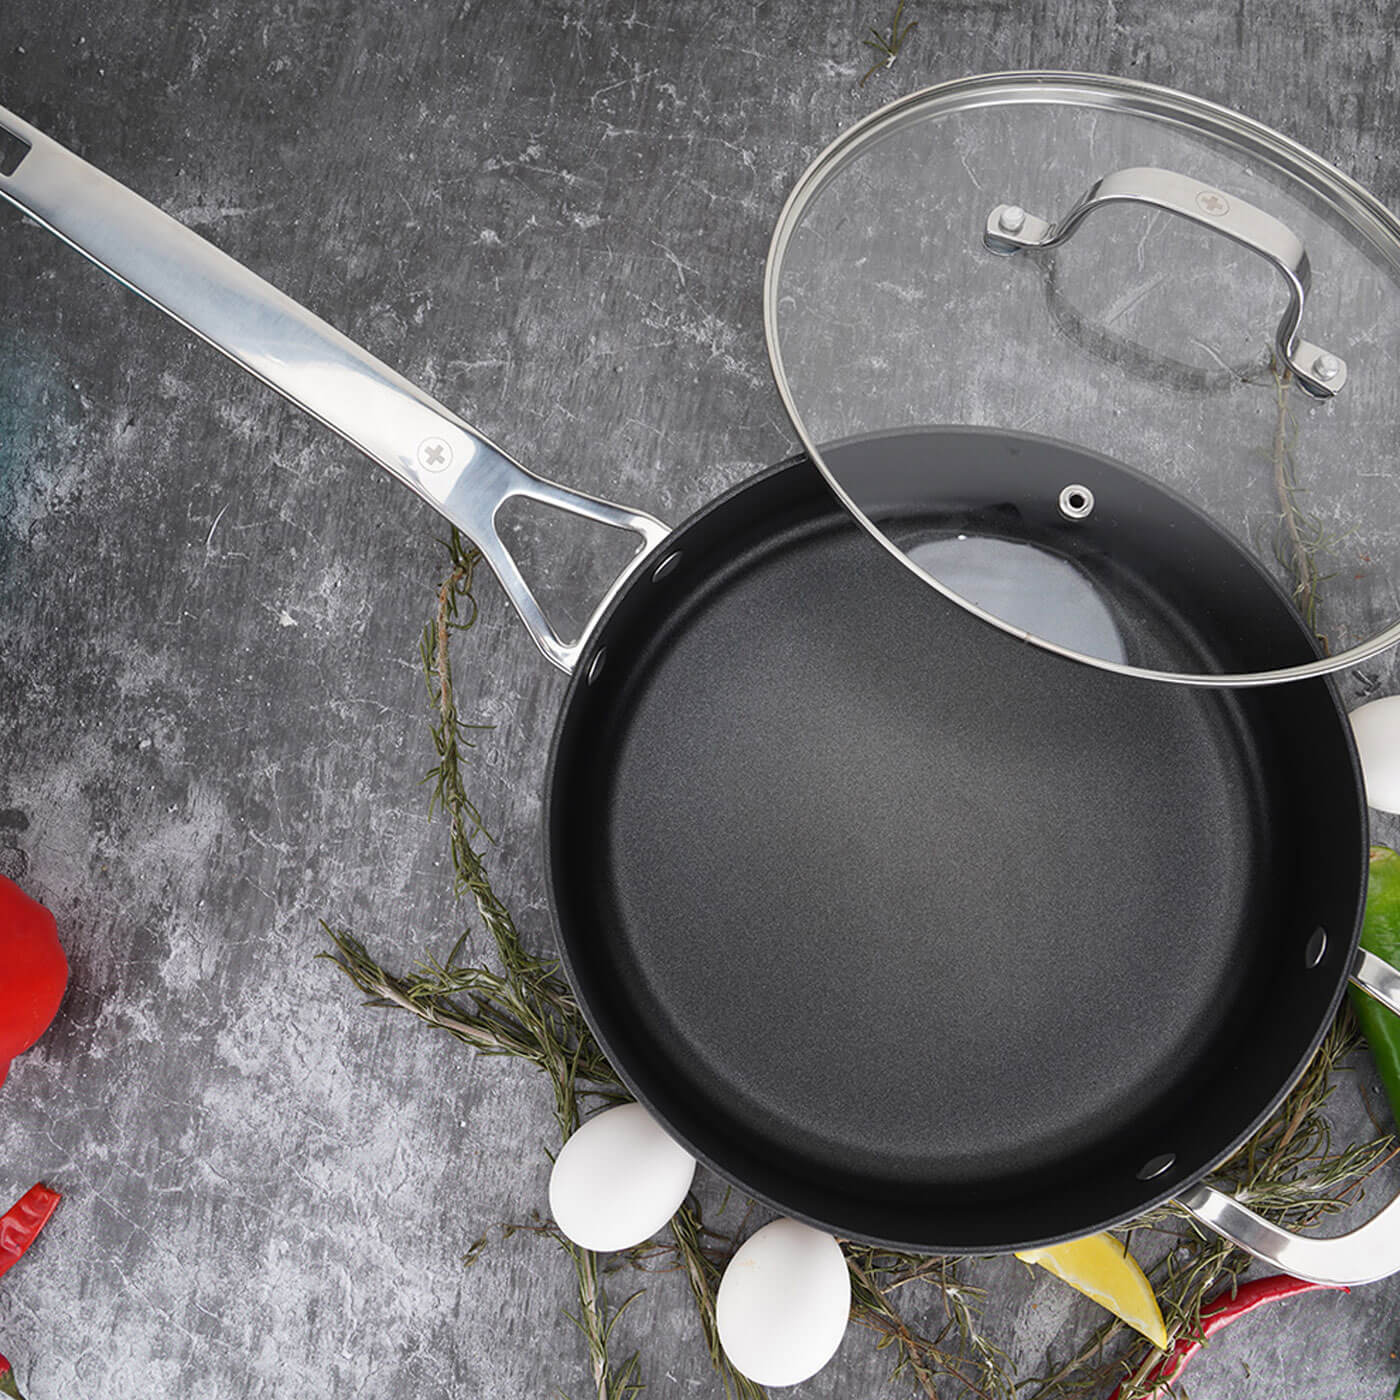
(212, 724)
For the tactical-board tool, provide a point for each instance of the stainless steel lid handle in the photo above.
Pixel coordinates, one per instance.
(1368, 1253)
(457, 470)
(1010, 229)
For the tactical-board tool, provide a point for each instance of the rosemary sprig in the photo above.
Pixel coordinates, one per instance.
(703, 1274)
(686, 1250)
(1300, 536)
(888, 45)
(596, 1320)
(526, 1009)
(978, 1367)
(1296, 556)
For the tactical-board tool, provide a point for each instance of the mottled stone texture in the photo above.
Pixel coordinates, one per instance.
(212, 724)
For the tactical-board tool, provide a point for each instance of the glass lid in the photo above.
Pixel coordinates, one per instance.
(1113, 367)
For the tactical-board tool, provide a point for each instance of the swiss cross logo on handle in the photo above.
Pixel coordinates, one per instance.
(434, 455)
(1212, 202)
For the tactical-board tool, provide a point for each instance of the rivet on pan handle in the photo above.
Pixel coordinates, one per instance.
(1010, 229)
(1368, 1253)
(461, 473)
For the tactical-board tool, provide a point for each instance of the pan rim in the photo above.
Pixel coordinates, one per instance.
(1150, 1199)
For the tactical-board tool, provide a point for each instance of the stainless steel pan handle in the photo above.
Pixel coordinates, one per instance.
(460, 473)
(1368, 1253)
(1011, 229)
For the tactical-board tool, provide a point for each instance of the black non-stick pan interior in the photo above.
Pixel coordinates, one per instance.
(927, 935)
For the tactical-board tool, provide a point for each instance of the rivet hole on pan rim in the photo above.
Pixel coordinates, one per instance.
(667, 566)
(1156, 1166)
(1316, 948)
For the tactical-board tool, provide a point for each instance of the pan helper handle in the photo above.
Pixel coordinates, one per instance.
(1368, 1253)
(1010, 229)
(448, 463)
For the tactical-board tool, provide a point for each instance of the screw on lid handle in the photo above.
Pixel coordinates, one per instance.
(1010, 229)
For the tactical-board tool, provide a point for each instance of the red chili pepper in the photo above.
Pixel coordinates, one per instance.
(22, 1222)
(8, 1385)
(1221, 1311)
(36, 971)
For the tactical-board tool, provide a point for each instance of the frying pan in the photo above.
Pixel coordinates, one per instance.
(911, 930)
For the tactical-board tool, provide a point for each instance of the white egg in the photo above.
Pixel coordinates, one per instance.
(783, 1303)
(1377, 729)
(618, 1179)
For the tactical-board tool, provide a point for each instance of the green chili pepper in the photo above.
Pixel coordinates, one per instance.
(1380, 934)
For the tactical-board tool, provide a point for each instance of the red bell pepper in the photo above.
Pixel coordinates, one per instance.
(36, 971)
